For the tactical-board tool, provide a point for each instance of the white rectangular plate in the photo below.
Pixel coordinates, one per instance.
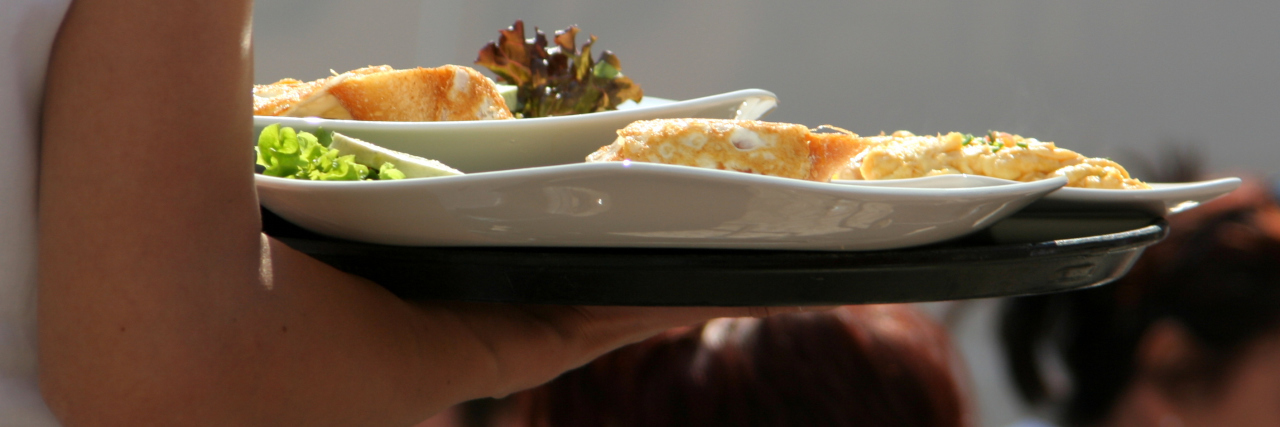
(491, 145)
(625, 204)
(1161, 200)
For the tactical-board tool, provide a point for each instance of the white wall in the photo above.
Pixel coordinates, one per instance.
(1107, 78)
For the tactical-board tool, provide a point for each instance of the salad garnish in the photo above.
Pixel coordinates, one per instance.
(558, 80)
(329, 156)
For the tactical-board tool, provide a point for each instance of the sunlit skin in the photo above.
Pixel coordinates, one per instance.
(160, 303)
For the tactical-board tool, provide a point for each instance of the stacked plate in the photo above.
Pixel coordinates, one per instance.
(527, 186)
(530, 222)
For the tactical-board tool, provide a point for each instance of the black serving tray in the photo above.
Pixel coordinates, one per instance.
(1022, 255)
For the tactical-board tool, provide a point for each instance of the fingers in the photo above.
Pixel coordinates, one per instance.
(531, 344)
(631, 324)
(697, 314)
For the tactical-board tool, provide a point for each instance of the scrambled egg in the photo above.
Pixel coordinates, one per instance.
(775, 149)
(999, 155)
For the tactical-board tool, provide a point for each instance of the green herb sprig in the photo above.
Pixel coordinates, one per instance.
(992, 139)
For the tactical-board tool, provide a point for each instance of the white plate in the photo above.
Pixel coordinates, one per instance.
(1162, 200)
(624, 204)
(937, 181)
(490, 145)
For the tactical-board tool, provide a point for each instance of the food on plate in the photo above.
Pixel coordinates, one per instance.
(997, 154)
(409, 165)
(776, 149)
(541, 81)
(331, 156)
(558, 80)
(450, 92)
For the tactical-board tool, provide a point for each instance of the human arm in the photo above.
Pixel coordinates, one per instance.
(161, 303)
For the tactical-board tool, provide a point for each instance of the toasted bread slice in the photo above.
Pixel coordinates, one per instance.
(776, 149)
(283, 98)
(422, 94)
(276, 98)
(381, 93)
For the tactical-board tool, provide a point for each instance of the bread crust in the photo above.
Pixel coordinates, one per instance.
(381, 93)
(279, 98)
(443, 93)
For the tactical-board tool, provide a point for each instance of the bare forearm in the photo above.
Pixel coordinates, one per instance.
(161, 304)
(152, 308)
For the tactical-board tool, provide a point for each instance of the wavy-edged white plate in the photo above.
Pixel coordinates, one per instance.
(1161, 200)
(937, 181)
(491, 145)
(625, 204)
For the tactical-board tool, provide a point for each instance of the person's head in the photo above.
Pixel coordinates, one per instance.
(883, 365)
(1191, 334)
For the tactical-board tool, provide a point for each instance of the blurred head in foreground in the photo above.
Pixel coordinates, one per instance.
(1191, 336)
(884, 365)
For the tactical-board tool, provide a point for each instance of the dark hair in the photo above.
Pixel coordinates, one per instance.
(1217, 275)
(881, 365)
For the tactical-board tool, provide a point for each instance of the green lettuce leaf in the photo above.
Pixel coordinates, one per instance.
(287, 153)
(389, 171)
(284, 154)
(332, 167)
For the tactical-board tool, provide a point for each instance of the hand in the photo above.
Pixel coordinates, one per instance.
(161, 304)
(523, 346)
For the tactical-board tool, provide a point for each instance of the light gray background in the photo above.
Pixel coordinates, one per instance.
(1107, 78)
(1119, 78)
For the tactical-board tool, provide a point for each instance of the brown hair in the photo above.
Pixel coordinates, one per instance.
(1217, 275)
(884, 365)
